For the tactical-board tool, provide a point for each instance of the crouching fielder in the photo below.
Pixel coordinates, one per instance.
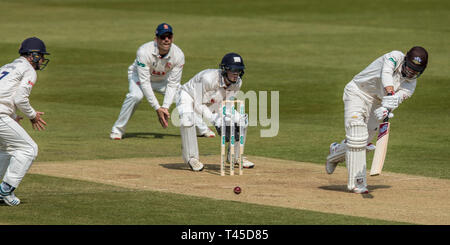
(202, 96)
(17, 148)
(369, 98)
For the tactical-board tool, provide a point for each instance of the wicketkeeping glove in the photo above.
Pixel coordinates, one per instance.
(381, 113)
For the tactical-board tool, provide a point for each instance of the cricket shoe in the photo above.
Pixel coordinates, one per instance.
(208, 134)
(195, 165)
(360, 190)
(370, 147)
(9, 197)
(245, 163)
(337, 155)
(115, 136)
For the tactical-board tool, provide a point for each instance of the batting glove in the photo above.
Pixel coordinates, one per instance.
(390, 102)
(381, 113)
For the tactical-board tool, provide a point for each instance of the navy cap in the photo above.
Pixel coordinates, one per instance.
(32, 44)
(163, 28)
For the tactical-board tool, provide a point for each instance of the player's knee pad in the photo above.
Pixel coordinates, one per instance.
(356, 134)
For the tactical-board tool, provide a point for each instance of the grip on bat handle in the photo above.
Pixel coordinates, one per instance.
(389, 111)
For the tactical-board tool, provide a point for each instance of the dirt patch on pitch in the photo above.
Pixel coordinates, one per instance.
(275, 182)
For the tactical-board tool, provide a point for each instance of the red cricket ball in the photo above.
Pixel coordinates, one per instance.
(237, 190)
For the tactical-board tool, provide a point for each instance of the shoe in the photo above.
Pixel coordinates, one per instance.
(11, 199)
(337, 155)
(208, 134)
(360, 190)
(245, 163)
(195, 165)
(370, 147)
(115, 136)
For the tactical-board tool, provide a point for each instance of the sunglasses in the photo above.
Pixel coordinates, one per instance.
(164, 36)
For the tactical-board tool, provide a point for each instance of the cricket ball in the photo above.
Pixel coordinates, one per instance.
(237, 190)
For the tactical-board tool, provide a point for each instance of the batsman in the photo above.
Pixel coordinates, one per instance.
(202, 96)
(369, 98)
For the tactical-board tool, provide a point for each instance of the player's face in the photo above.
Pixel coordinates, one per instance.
(164, 42)
(409, 72)
(232, 75)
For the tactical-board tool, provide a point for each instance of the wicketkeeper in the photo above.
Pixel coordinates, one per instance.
(202, 96)
(370, 97)
(158, 67)
(17, 149)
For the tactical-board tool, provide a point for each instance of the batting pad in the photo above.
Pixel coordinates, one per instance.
(355, 157)
(189, 146)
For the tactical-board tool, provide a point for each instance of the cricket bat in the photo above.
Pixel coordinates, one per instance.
(381, 147)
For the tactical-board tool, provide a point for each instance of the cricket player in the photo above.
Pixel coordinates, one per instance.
(158, 67)
(17, 148)
(203, 95)
(370, 97)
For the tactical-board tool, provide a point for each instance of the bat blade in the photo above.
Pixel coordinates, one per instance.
(381, 149)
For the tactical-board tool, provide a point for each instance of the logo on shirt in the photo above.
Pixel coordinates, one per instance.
(158, 73)
(140, 64)
(168, 65)
(29, 82)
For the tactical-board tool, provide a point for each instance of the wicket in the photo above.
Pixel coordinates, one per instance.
(223, 153)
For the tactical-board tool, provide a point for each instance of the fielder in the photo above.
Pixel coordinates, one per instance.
(202, 96)
(17, 148)
(370, 97)
(158, 67)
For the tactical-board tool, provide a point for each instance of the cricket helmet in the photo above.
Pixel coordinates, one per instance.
(416, 59)
(36, 48)
(232, 62)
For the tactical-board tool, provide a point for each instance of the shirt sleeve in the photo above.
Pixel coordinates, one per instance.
(21, 97)
(406, 90)
(173, 82)
(390, 63)
(143, 71)
(199, 89)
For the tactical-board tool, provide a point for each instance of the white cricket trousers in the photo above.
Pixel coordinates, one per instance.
(359, 106)
(360, 126)
(132, 100)
(17, 151)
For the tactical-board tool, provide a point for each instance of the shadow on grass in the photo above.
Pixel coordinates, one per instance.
(148, 135)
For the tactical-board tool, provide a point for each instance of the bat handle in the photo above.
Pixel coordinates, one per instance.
(389, 111)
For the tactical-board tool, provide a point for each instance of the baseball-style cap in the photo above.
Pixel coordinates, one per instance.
(163, 28)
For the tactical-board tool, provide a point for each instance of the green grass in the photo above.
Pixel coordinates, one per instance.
(306, 50)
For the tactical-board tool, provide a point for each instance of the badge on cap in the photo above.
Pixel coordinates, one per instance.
(417, 60)
(237, 59)
(166, 26)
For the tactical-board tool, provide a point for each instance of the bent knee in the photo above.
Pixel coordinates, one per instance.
(356, 134)
(136, 97)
